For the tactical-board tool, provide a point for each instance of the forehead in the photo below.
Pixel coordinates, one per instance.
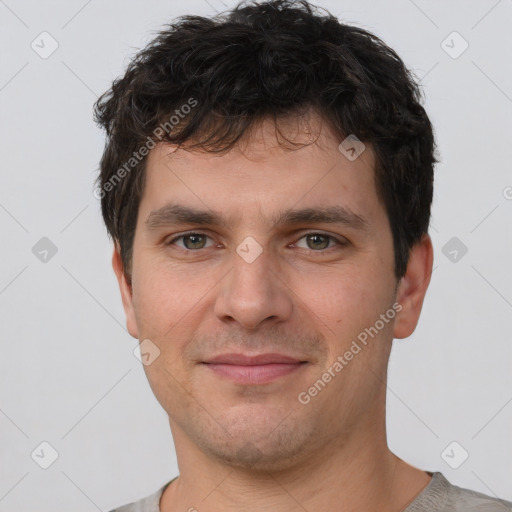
(264, 174)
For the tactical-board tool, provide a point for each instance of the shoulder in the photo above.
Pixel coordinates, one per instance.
(150, 503)
(472, 501)
(441, 496)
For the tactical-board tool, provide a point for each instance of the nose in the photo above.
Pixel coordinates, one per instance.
(253, 293)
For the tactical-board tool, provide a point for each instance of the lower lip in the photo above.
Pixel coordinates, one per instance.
(257, 374)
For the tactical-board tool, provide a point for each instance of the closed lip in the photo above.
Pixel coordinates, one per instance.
(253, 360)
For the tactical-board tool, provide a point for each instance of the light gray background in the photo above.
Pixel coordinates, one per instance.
(68, 373)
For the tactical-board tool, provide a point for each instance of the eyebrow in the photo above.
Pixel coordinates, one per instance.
(172, 214)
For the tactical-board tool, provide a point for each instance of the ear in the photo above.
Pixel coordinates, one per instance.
(126, 292)
(413, 287)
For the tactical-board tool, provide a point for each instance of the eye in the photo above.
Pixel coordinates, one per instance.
(320, 241)
(317, 242)
(191, 241)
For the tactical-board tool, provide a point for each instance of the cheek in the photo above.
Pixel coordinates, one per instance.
(161, 298)
(344, 302)
(337, 292)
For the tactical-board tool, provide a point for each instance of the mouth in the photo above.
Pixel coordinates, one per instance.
(254, 369)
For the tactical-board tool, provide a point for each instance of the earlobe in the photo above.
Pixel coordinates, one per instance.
(126, 292)
(413, 287)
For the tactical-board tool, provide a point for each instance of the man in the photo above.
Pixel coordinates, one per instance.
(267, 182)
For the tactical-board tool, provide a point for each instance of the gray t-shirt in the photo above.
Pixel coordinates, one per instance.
(439, 496)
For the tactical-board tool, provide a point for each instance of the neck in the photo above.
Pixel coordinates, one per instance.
(358, 474)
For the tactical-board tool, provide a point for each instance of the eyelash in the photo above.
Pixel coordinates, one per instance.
(340, 243)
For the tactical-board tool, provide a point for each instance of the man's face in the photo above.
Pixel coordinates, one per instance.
(209, 304)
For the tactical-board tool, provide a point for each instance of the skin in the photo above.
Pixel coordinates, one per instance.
(256, 447)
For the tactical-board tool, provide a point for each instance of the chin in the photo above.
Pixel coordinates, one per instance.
(280, 449)
(250, 458)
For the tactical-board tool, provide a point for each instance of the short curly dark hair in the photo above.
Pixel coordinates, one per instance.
(261, 60)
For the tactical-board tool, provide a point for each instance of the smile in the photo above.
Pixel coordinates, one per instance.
(253, 370)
